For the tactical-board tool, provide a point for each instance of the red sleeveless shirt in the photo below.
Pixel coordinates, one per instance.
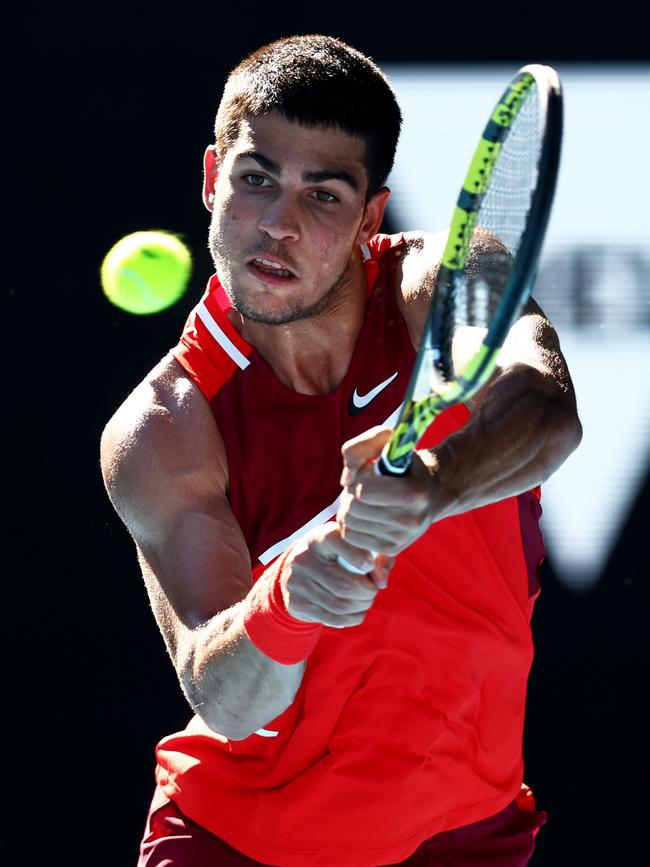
(411, 723)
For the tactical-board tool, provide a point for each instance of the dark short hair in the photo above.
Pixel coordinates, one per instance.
(316, 81)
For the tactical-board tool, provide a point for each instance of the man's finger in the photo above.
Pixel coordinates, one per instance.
(375, 490)
(360, 450)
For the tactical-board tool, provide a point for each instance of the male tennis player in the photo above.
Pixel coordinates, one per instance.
(341, 720)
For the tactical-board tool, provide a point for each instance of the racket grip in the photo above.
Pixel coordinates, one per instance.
(383, 467)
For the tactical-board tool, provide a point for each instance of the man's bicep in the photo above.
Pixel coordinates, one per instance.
(165, 474)
(200, 563)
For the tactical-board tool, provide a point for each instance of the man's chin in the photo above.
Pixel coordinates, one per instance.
(275, 314)
(272, 310)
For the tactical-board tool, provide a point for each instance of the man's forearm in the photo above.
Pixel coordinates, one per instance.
(524, 428)
(233, 686)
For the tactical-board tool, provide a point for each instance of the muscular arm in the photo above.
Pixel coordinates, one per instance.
(524, 425)
(165, 471)
(524, 421)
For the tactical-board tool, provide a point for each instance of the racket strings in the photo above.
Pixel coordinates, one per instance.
(471, 296)
(479, 289)
(506, 203)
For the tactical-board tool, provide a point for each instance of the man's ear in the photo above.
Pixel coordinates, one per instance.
(210, 174)
(373, 215)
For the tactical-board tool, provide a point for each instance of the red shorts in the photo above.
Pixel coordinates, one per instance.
(506, 839)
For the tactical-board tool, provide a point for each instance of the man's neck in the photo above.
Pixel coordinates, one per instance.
(312, 355)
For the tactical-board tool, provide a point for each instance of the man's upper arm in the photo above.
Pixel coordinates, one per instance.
(532, 341)
(164, 467)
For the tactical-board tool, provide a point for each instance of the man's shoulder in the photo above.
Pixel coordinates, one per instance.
(422, 255)
(425, 244)
(163, 415)
(165, 390)
(161, 442)
(424, 252)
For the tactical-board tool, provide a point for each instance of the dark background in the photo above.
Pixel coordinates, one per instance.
(109, 114)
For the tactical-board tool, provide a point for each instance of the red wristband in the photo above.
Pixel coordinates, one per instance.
(268, 624)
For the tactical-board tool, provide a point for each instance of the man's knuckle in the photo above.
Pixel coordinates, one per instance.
(341, 606)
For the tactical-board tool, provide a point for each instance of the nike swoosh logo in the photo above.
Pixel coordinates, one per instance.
(359, 402)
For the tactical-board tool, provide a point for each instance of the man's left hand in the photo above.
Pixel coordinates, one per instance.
(384, 513)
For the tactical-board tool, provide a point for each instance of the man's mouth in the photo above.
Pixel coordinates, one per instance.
(270, 267)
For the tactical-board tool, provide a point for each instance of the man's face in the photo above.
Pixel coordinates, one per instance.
(288, 209)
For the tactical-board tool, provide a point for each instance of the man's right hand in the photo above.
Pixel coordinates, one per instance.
(317, 589)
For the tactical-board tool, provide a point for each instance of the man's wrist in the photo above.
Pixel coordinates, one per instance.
(442, 496)
(269, 625)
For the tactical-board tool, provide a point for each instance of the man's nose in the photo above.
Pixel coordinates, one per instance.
(280, 219)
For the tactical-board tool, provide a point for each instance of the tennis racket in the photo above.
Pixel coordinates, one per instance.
(507, 193)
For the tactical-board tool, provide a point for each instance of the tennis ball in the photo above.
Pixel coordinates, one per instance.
(146, 272)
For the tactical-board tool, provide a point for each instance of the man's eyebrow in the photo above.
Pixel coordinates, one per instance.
(330, 175)
(309, 177)
(265, 162)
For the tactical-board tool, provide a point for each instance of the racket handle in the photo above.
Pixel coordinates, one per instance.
(383, 467)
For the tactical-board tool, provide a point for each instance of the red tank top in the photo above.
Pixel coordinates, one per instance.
(411, 723)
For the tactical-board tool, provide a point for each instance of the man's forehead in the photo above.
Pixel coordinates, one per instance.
(285, 140)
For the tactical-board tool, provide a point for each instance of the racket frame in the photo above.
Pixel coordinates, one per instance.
(422, 405)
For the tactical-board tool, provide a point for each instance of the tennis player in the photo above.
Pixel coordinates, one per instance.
(340, 719)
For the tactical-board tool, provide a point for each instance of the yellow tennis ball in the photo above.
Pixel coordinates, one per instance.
(146, 272)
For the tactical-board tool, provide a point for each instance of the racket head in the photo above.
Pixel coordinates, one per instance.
(488, 266)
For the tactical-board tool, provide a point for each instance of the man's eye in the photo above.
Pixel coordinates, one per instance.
(324, 196)
(255, 180)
